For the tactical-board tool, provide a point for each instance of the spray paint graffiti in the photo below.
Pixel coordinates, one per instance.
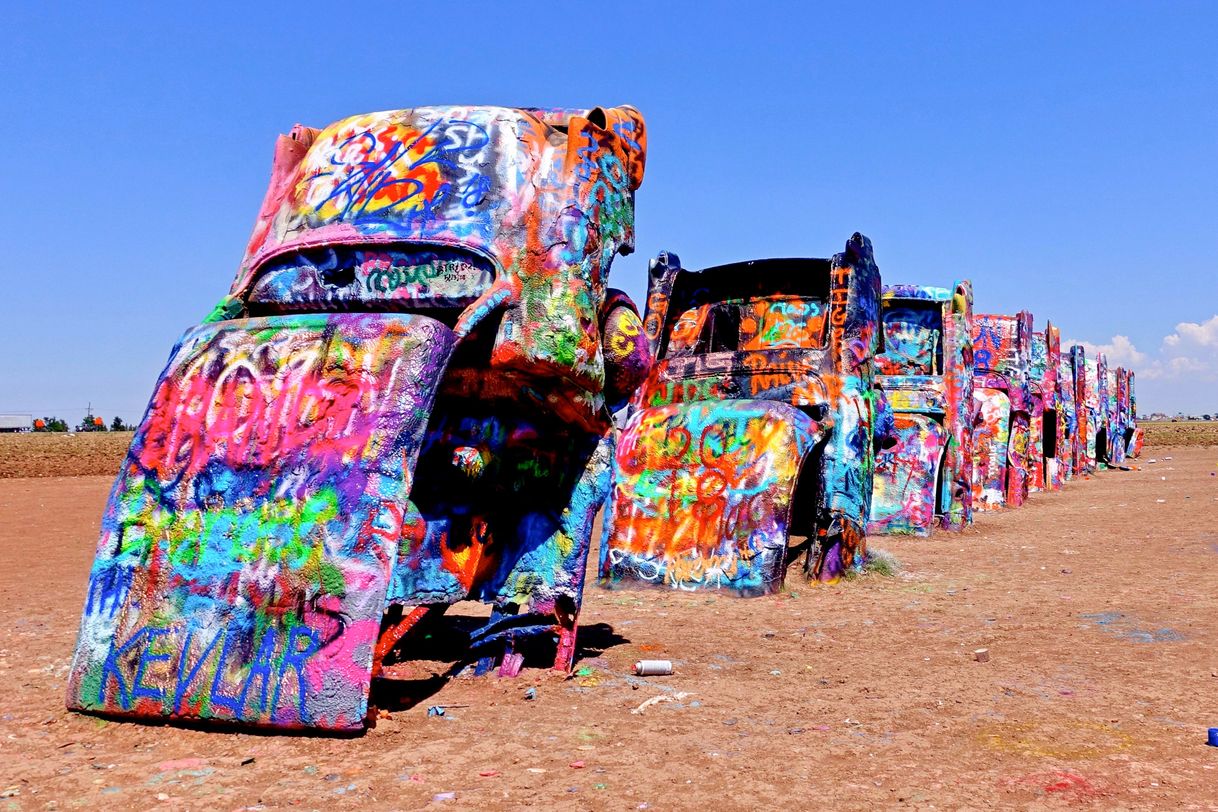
(404, 401)
(1045, 471)
(1117, 416)
(755, 425)
(1084, 444)
(1133, 433)
(248, 541)
(1067, 421)
(926, 375)
(1099, 421)
(1002, 348)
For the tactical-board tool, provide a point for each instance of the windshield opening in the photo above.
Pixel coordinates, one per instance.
(913, 338)
(392, 277)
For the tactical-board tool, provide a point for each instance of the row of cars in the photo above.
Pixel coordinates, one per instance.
(794, 408)
(406, 400)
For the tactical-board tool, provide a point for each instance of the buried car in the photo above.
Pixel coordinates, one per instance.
(925, 373)
(1098, 419)
(1047, 414)
(403, 402)
(1133, 433)
(1117, 416)
(1067, 405)
(1084, 438)
(1002, 347)
(751, 442)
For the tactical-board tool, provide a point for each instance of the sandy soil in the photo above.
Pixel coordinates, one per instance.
(1097, 606)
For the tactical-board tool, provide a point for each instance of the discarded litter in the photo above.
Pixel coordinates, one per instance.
(655, 700)
(1212, 739)
(576, 765)
(981, 655)
(444, 796)
(653, 668)
(439, 710)
(531, 693)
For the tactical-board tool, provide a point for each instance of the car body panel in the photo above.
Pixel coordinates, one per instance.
(703, 492)
(256, 519)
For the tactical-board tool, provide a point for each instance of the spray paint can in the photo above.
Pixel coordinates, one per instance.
(653, 668)
(1213, 737)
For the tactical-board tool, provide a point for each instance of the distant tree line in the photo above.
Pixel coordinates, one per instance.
(89, 423)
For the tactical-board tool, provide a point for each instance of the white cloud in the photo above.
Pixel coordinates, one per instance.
(1166, 369)
(1184, 356)
(1120, 351)
(1187, 333)
(1187, 354)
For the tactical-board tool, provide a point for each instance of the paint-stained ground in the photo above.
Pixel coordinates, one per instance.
(1098, 606)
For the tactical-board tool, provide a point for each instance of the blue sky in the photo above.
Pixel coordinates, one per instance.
(1064, 156)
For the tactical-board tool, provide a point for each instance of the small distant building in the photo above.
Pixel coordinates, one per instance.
(16, 422)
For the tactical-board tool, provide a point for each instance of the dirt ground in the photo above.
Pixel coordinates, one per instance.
(1096, 604)
(61, 454)
(1191, 433)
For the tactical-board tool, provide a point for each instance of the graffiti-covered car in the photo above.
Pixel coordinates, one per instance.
(754, 428)
(1047, 416)
(924, 478)
(1117, 415)
(1067, 405)
(1084, 438)
(1098, 416)
(1133, 433)
(403, 402)
(1002, 347)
